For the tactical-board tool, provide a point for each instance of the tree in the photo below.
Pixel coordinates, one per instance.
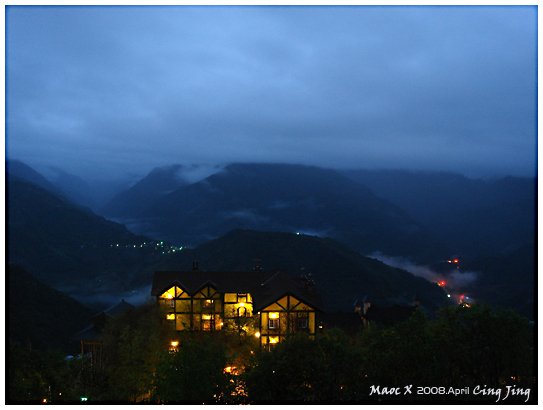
(479, 345)
(192, 373)
(301, 368)
(133, 345)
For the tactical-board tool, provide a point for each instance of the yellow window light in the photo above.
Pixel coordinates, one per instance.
(274, 340)
(174, 343)
(274, 315)
(242, 304)
(171, 316)
(257, 334)
(207, 317)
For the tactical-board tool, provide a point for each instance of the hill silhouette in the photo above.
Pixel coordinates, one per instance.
(289, 198)
(341, 274)
(41, 317)
(67, 246)
(472, 216)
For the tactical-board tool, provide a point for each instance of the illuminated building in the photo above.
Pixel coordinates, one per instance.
(267, 305)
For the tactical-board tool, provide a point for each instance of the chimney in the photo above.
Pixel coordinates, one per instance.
(194, 266)
(258, 264)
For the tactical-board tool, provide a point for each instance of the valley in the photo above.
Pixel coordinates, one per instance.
(290, 217)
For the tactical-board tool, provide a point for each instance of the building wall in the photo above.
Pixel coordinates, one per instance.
(283, 318)
(207, 310)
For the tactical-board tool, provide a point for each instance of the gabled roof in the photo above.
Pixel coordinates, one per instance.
(89, 334)
(117, 310)
(193, 281)
(93, 333)
(281, 285)
(265, 287)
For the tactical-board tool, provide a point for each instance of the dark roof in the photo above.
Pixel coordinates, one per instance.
(389, 315)
(93, 331)
(117, 310)
(280, 285)
(192, 281)
(89, 334)
(264, 287)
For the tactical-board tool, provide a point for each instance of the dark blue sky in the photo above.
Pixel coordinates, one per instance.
(113, 91)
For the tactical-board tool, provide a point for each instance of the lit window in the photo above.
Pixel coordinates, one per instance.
(242, 297)
(208, 323)
(242, 312)
(273, 321)
(170, 316)
(274, 340)
(172, 293)
(208, 303)
(170, 303)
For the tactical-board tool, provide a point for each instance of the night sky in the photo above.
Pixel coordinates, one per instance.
(106, 92)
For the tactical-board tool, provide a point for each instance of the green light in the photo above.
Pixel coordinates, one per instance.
(83, 399)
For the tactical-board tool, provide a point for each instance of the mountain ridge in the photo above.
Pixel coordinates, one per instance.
(342, 275)
(291, 198)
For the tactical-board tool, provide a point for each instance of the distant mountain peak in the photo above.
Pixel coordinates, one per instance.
(18, 169)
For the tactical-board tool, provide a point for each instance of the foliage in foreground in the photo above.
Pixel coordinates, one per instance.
(463, 347)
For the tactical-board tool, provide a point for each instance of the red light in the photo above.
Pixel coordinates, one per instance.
(462, 297)
(442, 283)
(456, 261)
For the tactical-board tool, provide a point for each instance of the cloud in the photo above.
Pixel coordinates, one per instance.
(125, 89)
(103, 300)
(196, 172)
(456, 281)
(245, 215)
